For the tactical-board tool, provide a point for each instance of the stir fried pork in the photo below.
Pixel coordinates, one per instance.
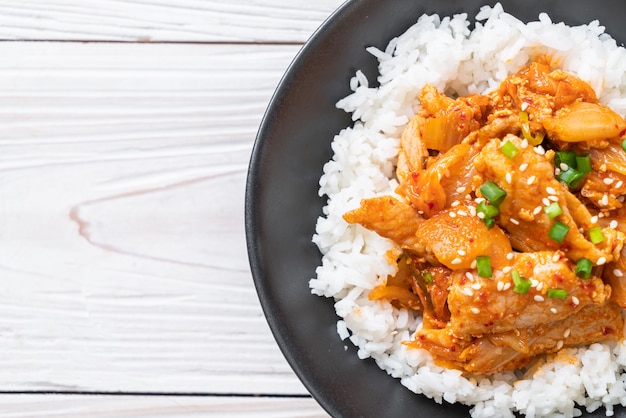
(510, 222)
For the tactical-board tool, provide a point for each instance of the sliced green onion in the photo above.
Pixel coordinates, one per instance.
(428, 277)
(493, 193)
(557, 293)
(595, 235)
(566, 157)
(572, 177)
(624, 144)
(558, 231)
(583, 268)
(483, 264)
(583, 163)
(553, 210)
(509, 149)
(521, 285)
(490, 222)
(489, 211)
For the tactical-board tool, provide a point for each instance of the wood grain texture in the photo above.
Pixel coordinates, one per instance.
(163, 20)
(122, 250)
(81, 406)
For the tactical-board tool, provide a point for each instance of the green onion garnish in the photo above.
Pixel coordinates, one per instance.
(583, 268)
(489, 211)
(558, 231)
(428, 277)
(572, 177)
(595, 235)
(521, 285)
(493, 193)
(483, 264)
(583, 163)
(624, 144)
(509, 149)
(557, 293)
(553, 210)
(567, 157)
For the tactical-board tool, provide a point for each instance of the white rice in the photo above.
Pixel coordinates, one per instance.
(443, 52)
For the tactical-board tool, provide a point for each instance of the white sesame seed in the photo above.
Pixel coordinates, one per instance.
(524, 144)
(601, 215)
(475, 310)
(559, 345)
(534, 282)
(564, 166)
(469, 275)
(613, 224)
(456, 261)
(479, 200)
(507, 286)
(539, 287)
(567, 333)
(480, 215)
(461, 189)
(468, 197)
(601, 261)
(537, 210)
(500, 286)
(462, 213)
(539, 150)
(546, 201)
(575, 300)
(524, 106)
(556, 257)
(618, 273)
(557, 171)
(619, 184)
(605, 200)
(506, 269)
(523, 167)
(594, 219)
(468, 291)
(472, 210)
(473, 265)
(510, 256)
(553, 310)
(550, 190)
(553, 198)
(509, 178)
(531, 180)
(461, 252)
(455, 204)
(514, 221)
(476, 286)
(608, 181)
(452, 214)
(538, 298)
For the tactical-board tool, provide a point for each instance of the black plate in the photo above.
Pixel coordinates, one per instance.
(282, 204)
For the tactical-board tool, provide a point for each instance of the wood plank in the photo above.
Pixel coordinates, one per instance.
(160, 20)
(122, 251)
(80, 406)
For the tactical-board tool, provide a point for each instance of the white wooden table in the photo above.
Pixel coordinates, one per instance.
(125, 133)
